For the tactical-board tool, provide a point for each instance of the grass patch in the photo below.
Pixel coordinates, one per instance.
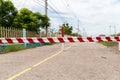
(11, 48)
(5, 48)
(14, 48)
(109, 44)
(50, 43)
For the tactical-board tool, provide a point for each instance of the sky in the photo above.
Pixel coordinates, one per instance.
(93, 17)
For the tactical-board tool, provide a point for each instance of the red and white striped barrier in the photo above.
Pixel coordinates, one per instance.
(60, 39)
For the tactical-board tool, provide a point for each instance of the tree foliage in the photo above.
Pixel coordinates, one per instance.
(7, 13)
(67, 29)
(29, 20)
(118, 34)
(25, 18)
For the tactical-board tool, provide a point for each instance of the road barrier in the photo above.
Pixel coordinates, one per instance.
(59, 39)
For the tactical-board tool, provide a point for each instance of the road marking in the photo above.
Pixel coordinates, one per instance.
(17, 75)
(43, 61)
(46, 59)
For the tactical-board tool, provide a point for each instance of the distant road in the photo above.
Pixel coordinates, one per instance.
(79, 61)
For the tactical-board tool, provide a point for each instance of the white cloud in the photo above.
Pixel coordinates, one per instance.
(95, 15)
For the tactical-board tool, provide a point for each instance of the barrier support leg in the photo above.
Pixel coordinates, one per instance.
(119, 45)
(62, 48)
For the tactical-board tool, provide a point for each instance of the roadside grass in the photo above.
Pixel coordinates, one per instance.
(5, 48)
(13, 48)
(109, 44)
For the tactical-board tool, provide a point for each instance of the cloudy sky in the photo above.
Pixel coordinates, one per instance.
(95, 16)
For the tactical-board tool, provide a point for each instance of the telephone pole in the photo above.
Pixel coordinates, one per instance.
(46, 13)
(79, 27)
(110, 29)
(115, 30)
(46, 7)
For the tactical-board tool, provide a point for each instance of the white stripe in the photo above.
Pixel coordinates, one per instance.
(75, 39)
(113, 39)
(35, 40)
(14, 40)
(4, 40)
(25, 40)
(85, 39)
(56, 39)
(94, 39)
(45, 40)
(66, 39)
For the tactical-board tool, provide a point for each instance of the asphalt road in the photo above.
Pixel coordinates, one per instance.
(79, 61)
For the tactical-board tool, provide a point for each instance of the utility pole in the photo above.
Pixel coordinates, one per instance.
(46, 7)
(110, 30)
(115, 30)
(78, 27)
(46, 13)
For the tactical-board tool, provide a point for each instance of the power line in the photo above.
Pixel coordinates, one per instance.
(62, 18)
(50, 7)
(39, 3)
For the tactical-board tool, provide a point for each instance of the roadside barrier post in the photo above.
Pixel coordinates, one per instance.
(24, 33)
(63, 37)
(24, 36)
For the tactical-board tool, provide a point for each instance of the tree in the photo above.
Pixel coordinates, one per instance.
(67, 29)
(26, 19)
(29, 20)
(45, 23)
(44, 20)
(7, 13)
(118, 34)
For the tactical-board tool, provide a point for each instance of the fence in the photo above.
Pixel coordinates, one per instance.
(15, 32)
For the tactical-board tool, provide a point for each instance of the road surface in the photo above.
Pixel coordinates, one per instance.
(79, 61)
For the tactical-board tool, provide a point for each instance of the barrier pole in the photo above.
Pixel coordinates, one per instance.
(62, 36)
(119, 45)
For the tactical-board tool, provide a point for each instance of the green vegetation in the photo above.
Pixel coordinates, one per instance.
(14, 48)
(118, 34)
(7, 13)
(11, 48)
(109, 44)
(25, 18)
(75, 34)
(67, 29)
(5, 48)
(29, 20)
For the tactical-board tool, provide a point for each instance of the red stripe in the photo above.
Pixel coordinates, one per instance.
(61, 40)
(108, 38)
(19, 40)
(51, 40)
(70, 39)
(117, 38)
(80, 39)
(30, 40)
(40, 39)
(90, 39)
(0, 41)
(9, 40)
(99, 39)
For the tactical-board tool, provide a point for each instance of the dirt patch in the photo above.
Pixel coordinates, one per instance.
(114, 49)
